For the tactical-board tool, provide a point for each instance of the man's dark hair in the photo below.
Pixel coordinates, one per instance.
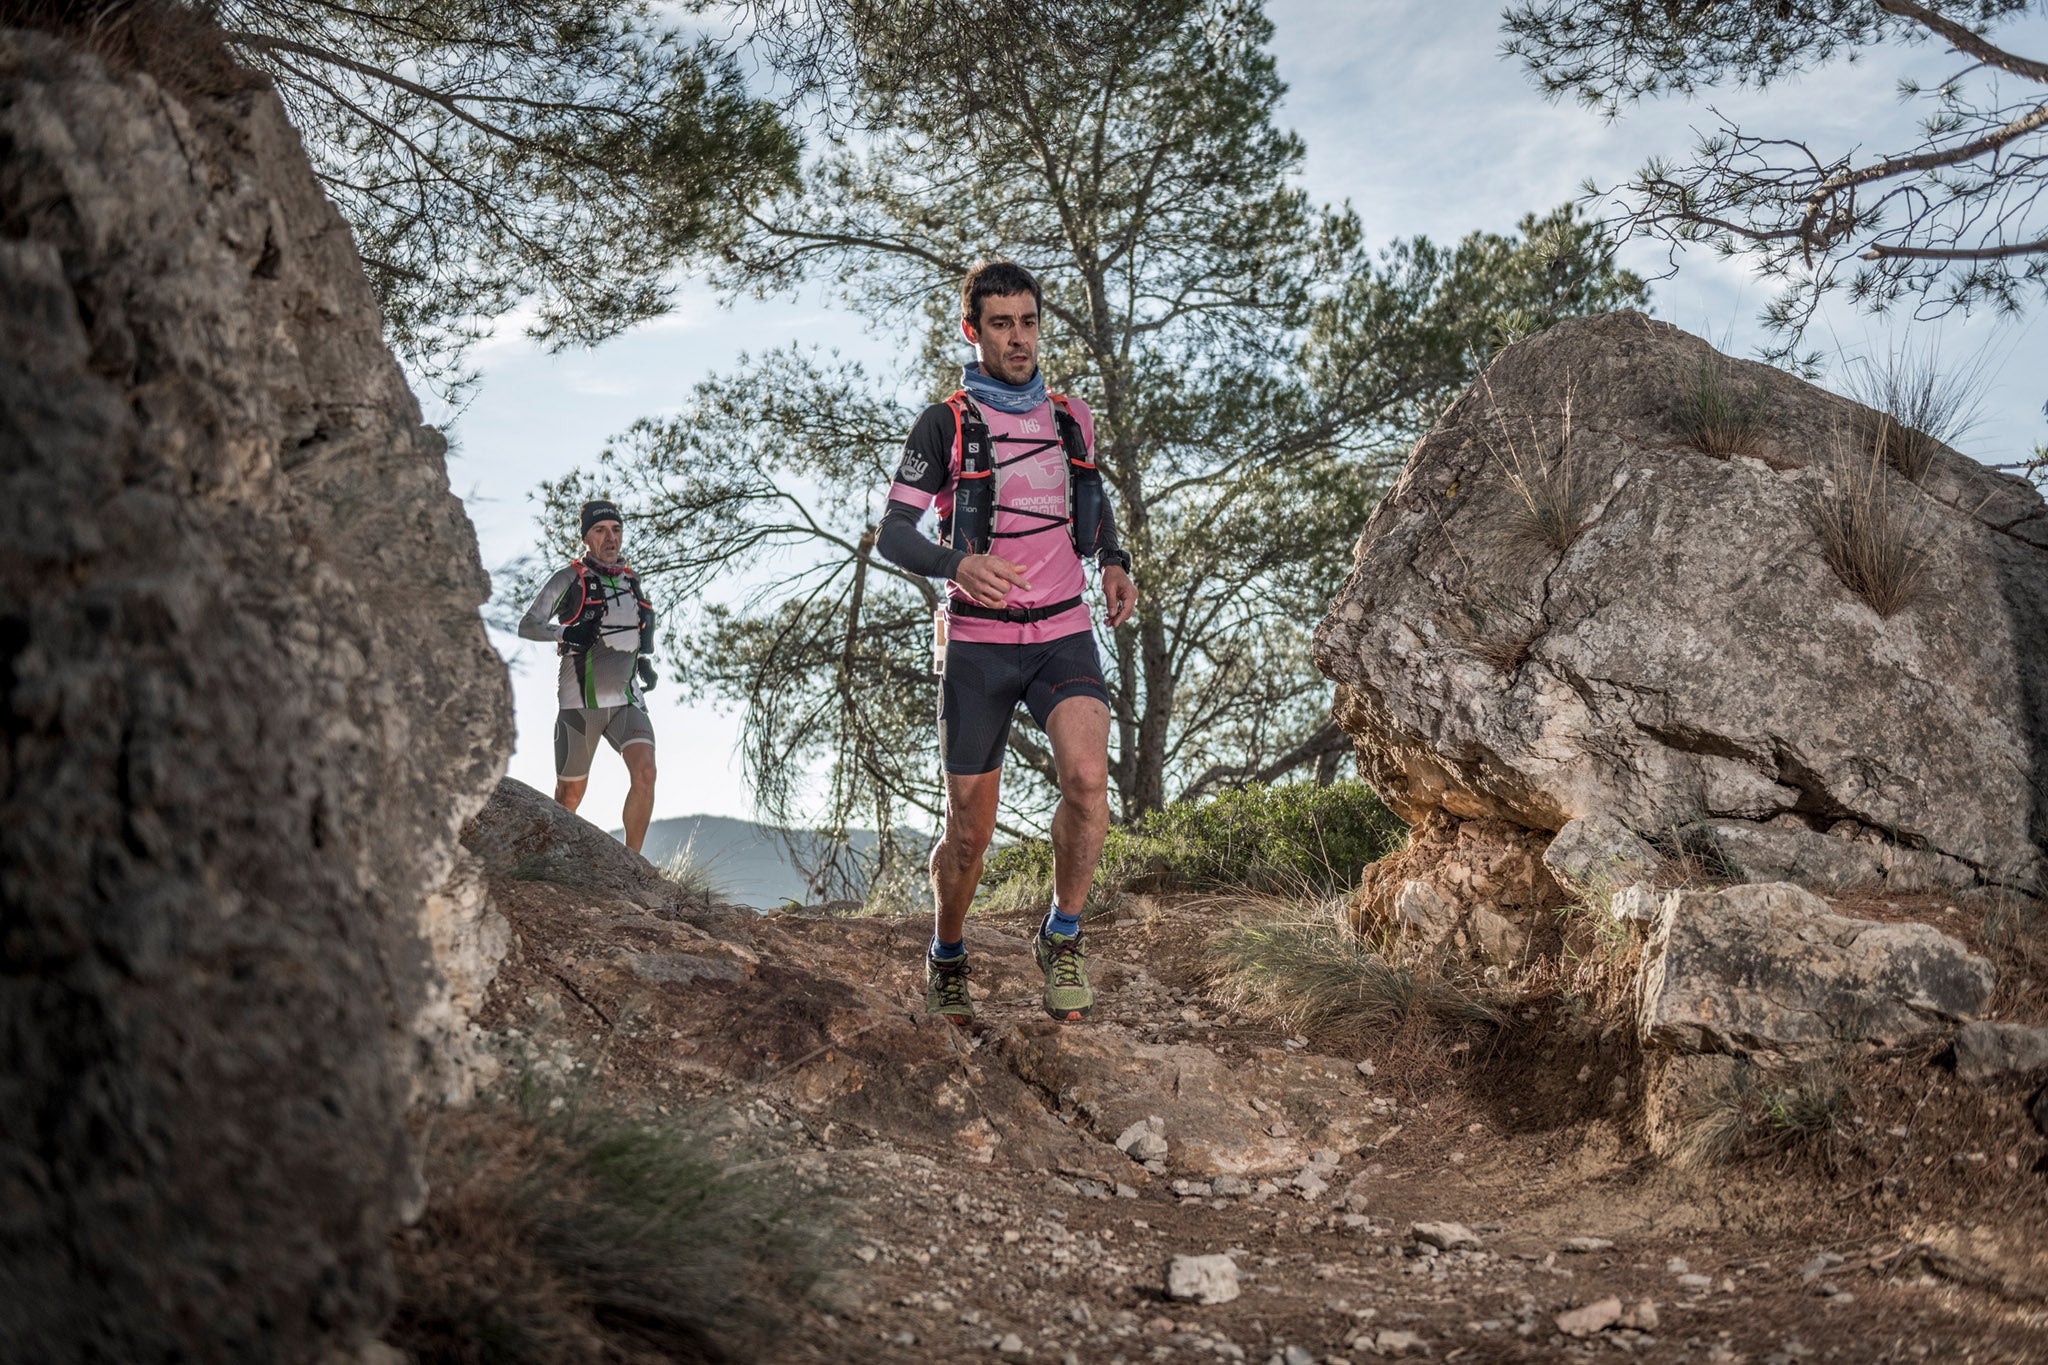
(995, 279)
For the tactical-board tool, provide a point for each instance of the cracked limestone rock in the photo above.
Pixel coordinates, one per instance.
(1689, 654)
(1771, 969)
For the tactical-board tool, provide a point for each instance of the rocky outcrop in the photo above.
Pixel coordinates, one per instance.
(1672, 649)
(1476, 890)
(248, 704)
(1771, 970)
(521, 835)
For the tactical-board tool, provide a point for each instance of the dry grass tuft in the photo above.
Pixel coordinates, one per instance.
(578, 1234)
(1498, 629)
(1758, 1113)
(177, 45)
(1915, 408)
(691, 877)
(1294, 965)
(1718, 411)
(1877, 535)
(1552, 504)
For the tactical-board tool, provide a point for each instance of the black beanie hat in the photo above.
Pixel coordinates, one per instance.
(596, 510)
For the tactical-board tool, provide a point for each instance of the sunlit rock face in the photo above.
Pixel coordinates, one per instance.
(248, 704)
(1674, 651)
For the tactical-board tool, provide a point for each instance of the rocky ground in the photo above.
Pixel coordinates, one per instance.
(1455, 1200)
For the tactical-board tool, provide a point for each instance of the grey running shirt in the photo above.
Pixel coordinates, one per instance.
(599, 676)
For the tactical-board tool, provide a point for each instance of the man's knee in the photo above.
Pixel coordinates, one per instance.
(640, 766)
(961, 846)
(1086, 786)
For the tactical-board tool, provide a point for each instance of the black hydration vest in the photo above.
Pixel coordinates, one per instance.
(972, 525)
(591, 593)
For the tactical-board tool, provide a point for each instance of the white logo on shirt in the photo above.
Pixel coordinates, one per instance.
(913, 467)
(1047, 471)
(1030, 426)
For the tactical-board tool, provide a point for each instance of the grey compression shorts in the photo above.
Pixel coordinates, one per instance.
(577, 730)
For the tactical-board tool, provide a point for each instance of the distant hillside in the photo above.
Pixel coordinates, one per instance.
(749, 863)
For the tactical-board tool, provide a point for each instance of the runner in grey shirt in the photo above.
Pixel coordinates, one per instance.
(598, 616)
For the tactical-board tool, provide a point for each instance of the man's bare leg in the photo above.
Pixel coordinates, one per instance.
(640, 796)
(1079, 731)
(569, 791)
(956, 860)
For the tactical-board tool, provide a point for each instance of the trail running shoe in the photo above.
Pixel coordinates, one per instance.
(1061, 958)
(945, 989)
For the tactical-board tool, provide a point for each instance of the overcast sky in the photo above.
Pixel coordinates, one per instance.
(1407, 111)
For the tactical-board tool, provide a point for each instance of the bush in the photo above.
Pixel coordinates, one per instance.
(1296, 838)
(563, 1232)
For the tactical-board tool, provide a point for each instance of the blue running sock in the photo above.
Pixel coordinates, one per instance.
(1056, 923)
(947, 952)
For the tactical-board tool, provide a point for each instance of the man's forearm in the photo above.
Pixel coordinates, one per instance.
(901, 543)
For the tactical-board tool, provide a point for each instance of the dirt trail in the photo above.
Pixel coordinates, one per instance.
(986, 1212)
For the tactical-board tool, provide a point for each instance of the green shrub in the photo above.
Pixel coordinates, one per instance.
(1296, 838)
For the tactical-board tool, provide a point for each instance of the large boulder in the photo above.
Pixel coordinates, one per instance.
(248, 703)
(522, 835)
(1688, 663)
(1771, 970)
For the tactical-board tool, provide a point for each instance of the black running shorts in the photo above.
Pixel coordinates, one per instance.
(982, 684)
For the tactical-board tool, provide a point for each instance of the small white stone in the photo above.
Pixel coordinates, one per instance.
(1445, 1236)
(1594, 1317)
(1202, 1279)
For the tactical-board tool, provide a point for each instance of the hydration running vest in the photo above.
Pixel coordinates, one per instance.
(972, 525)
(591, 589)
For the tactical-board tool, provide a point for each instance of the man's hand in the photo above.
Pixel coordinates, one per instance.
(988, 579)
(1120, 594)
(581, 633)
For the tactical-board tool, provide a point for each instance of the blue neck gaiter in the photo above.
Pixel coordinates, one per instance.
(991, 392)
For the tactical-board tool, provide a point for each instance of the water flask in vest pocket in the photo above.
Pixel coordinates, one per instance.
(939, 640)
(1084, 508)
(974, 497)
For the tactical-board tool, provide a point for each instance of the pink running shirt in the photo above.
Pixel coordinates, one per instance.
(1037, 483)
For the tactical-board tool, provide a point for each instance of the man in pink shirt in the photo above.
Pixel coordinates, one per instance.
(1010, 469)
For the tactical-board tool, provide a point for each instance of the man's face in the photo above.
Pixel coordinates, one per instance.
(604, 540)
(1007, 337)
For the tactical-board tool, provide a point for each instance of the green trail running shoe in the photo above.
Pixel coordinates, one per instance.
(945, 989)
(1061, 958)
